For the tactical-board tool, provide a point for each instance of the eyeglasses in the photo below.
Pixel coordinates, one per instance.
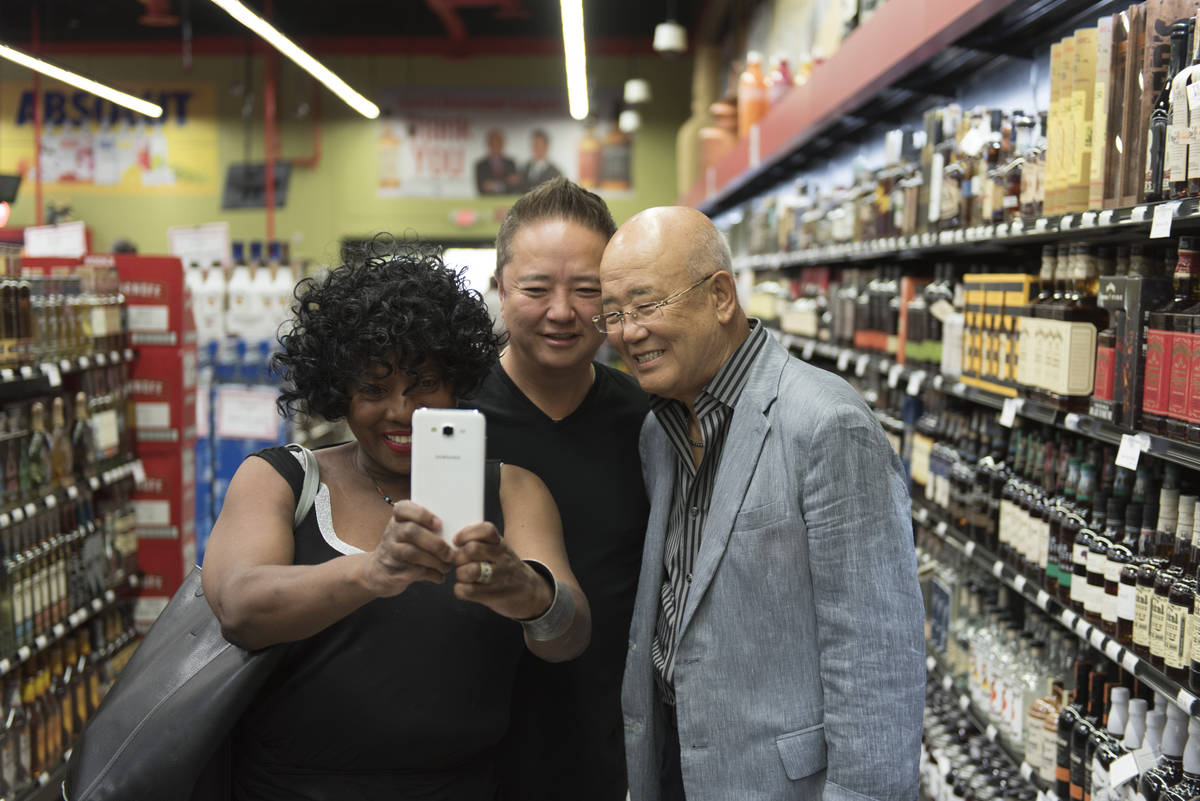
(642, 313)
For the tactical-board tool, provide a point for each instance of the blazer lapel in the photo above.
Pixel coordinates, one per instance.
(659, 464)
(743, 444)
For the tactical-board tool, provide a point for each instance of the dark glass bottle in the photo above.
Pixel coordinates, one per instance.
(1071, 714)
(1160, 336)
(1158, 613)
(1177, 632)
(1169, 769)
(1157, 187)
(1083, 729)
(1097, 562)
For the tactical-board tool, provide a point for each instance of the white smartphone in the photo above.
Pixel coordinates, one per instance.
(448, 447)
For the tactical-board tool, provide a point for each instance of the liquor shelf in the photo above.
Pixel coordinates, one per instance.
(938, 671)
(904, 54)
(916, 380)
(1086, 632)
(1133, 222)
(28, 381)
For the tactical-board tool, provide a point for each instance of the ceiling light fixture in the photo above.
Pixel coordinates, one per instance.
(87, 84)
(303, 60)
(576, 57)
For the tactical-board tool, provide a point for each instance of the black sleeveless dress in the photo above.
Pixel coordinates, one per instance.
(405, 698)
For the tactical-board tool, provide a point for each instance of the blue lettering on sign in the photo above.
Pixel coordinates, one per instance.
(79, 108)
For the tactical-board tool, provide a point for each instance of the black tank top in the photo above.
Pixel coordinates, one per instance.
(404, 698)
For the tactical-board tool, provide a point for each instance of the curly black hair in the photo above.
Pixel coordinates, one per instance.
(391, 306)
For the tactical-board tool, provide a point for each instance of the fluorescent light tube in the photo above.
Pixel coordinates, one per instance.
(87, 84)
(576, 57)
(303, 60)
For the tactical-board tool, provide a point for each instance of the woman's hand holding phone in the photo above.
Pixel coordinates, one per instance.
(411, 549)
(513, 589)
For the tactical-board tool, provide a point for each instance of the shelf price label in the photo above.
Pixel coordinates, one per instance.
(1065, 222)
(1008, 412)
(860, 368)
(941, 528)
(938, 381)
(51, 371)
(915, 381)
(1160, 227)
(991, 733)
(1042, 598)
(894, 374)
(1132, 446)
(947, 683)
(964, 702)
(930, 663)
(1138, 214)
(1019, 582)
(1122, 770)
(1026, 771)
(1072, 421)
(1081, 628)
(1087, 220)
(998, 569)
(1105, 217)
(1113, 650)
(970, 549)
(1069, 618)
(1040, 225)
(844, 360)
(1185, 700)
(1096, 637)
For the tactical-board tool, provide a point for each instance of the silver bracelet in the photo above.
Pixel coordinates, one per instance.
(554, 622)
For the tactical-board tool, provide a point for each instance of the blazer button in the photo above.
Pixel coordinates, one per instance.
(689, 578)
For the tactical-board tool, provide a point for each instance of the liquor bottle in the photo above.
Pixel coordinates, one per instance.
(1180, 155)
(1116, 747)
(17, 727)
(1119, 554)
(1169, 769)
(1160, 336)
(1106, 740)
(1194, 666)
(1157, 181)
(1127, 589)
(1087, 724)
(38, 450)
(1177, 631)
(1163, 581)
(752, 101)
(83, 440)
(37, 721)
(1189, 786)
(1097, 562)
(62, 469)
(1041, 721)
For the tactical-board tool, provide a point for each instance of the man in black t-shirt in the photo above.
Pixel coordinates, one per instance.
(575, 423)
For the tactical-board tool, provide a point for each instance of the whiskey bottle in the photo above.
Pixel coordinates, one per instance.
(38, 450)
(1189, 786)
(1084, 727)
(1157, 179)
(1158, 614)
(1071, 714)
(1177, 630)
(16, 725)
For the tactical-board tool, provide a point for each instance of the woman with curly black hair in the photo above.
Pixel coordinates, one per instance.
(398, 675)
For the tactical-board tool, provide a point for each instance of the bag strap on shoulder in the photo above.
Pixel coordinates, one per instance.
(312, 482)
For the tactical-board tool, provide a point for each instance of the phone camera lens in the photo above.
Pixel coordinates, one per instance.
(447, 431)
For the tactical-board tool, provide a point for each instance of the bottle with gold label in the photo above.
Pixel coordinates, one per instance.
(38, 449)
(16, 725)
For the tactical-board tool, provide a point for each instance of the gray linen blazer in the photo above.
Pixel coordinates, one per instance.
(800, 671)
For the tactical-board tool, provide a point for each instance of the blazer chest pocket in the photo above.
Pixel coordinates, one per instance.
(802, 752)
(760, 516)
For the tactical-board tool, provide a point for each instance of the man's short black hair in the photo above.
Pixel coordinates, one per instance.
(556, 199)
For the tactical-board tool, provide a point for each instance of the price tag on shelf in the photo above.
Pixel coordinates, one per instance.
(930, 663)
(59, 630)
(110, 596)
(1105, 217)
(1008, 412)
(1071, 421)
(139, 471)
(970, 549)
(23, 653)
(938, 381)
(1065, 222)
(1185, 700)
(73, 492)
(1019, 582)
(860, 367)
(114, 356)
(959, 388)
(1081, 628)
(1112, 650)
(1017, 227)
(26, 371)
(947, 683)
(1131, 449)
(18, 516)
(964, 702)
(1096, 638)
(844, 360)
(1122, 770)
(941, 528)
(5, 666)
(64, 365)
(94, 483)
(806, 352)
(1164, 213)
(1042, 598)
(7, 375)
(97, 604)
(1087, 219)
(915, 381)
(1068, 618)
(1040, 225)
(51, 501)
(998, 569)
(1026, 771)
(52, 373)
(84, 363)
(922, 515)
(991, 733)
(894, 373)
(1138, 214)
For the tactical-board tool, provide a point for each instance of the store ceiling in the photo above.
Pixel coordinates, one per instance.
(458, 25)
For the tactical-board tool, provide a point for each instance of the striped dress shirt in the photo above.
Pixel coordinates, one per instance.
(693, 492)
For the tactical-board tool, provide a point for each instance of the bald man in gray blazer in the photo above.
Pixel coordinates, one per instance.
(777, 647)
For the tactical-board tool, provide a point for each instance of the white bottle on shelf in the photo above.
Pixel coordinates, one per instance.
(282, 288)
(241, 315)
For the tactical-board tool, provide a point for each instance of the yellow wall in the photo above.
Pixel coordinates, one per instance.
(338, 198)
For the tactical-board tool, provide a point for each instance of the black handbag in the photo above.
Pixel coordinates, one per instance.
(162, 729)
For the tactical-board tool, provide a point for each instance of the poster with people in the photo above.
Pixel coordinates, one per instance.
(479, 144)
